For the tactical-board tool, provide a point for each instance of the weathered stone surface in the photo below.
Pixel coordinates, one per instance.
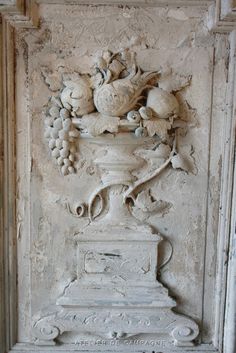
(172, 41)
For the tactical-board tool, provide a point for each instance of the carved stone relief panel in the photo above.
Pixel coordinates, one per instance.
(114, 128)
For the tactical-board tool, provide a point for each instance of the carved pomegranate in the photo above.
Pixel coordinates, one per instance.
(120, 96)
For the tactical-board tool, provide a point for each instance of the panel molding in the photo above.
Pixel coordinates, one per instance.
(221, 13)
(222, 16)
(8, 220)
(23, 4)
(227, 8)
(229, 207)
(25, 14)
(22, 13)
(24, 348)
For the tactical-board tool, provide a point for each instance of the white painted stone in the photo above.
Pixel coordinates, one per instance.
(117, 256)
(85, 150)
(53, 210)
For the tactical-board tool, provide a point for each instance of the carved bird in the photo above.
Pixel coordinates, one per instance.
(118, 97)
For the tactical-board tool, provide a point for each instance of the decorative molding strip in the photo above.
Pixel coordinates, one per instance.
(227, 9)
(198, 3)
(21, 17)
(224, 246)
(2, 273)
(8, 228)
(228, 206)
(222, 16)
(24, 13)
(221, 13)
(26, 348)
(20, 13)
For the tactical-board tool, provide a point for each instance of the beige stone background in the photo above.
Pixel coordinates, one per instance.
(165, 38)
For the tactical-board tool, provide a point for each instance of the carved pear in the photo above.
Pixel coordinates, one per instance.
(163, 103)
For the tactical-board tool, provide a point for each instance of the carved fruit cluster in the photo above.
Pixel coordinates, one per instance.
(117, 97)
(61, 135)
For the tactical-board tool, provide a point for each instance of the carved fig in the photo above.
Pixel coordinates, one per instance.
(163, 103)
(145, 112)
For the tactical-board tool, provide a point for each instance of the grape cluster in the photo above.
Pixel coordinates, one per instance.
(61, 135)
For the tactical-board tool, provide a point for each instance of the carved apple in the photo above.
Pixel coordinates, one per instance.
(77, 96)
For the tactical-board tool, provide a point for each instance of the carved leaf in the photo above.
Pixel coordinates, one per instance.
(147, 203)
(155, 158)
(52, 80)
(157, 127)
(162, 151)
(184, 160)
(96, 124)
(187, 112)
(70, 78)
(180, 162)
(174, 82)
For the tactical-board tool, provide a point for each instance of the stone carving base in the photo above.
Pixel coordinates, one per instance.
(116, 295)
(154, 323)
